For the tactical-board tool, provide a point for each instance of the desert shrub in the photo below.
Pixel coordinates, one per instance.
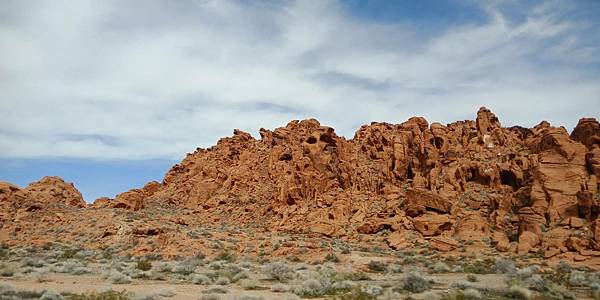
(6, 288)
(557, 291)
(239, 276)
(249, 284)
(222, 281)
(183, 269)
(163, 267)
(105, 295)
(150, 296)
(80, 271)
(352, 276)
(167, 293)
(144, 265)
(200, 279)
(527, 272)
(519, 292)
(217, 265)
(372, 290)
(536, 282)
(458, 269)
(595, 291)
(356, 293)
(279, 288)
(226, 256)
(440, 267)
(415, 283)
(478, 267)
(68, 267)
(467, 294)
(560, 274)
(396, 268)
(578, 278)
(344, 285)
(311, 288)
(140, 274)
(69, 253)
(472, 278)
(51, 295)
(504, 266)
(216, 290)
(118, 278)
(377, 266)
(40, 276)
(6, 270)
(563, 267)
(279, 271)
(210, 297)
(331, 257)
(31, 262)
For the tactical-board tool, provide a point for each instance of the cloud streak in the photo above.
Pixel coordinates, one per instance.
(156, 79)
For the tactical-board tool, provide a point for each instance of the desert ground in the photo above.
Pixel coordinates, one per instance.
(336, 270)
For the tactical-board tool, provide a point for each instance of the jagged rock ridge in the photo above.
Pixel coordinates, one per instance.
(523, 189)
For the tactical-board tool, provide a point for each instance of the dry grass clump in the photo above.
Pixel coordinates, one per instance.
(279, 271)
(200, 279)
(504, 266)
(117, 277)
(519, 292)
(414, 282)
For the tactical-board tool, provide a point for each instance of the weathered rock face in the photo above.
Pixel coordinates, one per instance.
(468, 180)
(134, 199)
(457, 180)
(49, 191)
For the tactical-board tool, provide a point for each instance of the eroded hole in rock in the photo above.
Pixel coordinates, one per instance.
(409, 173)
(153, 231)
(385, 142)
(509, 178)
(311, 140)
(285, 157)
(290, 200)
(439, 142)
(34, 207)
(327, 139)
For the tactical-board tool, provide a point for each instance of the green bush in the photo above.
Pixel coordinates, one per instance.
(144, 265)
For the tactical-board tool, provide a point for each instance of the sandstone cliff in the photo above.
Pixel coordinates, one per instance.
(519, 189)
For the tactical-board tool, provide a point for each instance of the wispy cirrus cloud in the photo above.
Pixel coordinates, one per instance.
(155, 79)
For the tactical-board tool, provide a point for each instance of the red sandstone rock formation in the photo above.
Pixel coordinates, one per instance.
(49, 191)
(468, 180)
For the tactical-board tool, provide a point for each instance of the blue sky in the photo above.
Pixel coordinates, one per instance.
(109, 94)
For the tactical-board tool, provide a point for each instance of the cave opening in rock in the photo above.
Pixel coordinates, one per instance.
(439, 142)
(311, 140)
(509, 178)
(409, 173)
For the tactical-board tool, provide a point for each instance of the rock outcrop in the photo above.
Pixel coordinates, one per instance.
(519, 189)
(49, 191)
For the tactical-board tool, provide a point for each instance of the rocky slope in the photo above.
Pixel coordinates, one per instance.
(516, 189)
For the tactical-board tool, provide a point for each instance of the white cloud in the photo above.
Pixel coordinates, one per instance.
(152, 79)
